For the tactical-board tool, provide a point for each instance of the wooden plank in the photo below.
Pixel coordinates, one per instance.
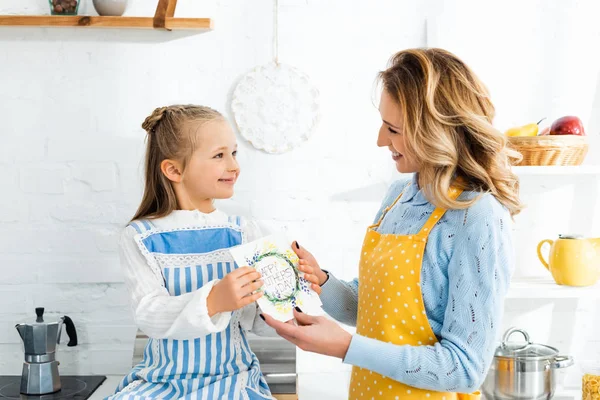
(164, 9)
(104, 22)
(171, 8)
(189, 23)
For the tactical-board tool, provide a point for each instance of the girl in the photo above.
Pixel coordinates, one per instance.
(435, 266)
(186, 292)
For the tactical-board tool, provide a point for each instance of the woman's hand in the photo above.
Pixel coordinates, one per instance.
(315, 334)
(234, 291)
(309, 265)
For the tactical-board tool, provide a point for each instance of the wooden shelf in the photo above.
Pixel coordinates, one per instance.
(546, 288)
(163, 19)
(105, 22)
(553, 170)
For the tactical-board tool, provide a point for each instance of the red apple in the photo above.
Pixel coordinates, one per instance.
(567, 126)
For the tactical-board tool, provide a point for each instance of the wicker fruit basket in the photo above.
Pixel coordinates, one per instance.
(550, 149)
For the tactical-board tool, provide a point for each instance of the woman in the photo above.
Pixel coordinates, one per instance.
(435, 266)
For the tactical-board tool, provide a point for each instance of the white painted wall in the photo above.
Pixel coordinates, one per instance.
(72, 101)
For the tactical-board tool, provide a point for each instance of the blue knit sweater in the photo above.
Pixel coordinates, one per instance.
(467, 265)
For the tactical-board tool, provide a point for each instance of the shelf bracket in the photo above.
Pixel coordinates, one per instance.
(165, 9)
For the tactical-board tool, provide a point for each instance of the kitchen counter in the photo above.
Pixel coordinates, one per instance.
(111, 382)
(107, 387)
(309, 388)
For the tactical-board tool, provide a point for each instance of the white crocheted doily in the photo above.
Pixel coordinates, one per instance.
(275, 107)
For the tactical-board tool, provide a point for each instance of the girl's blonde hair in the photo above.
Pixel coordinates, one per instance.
(448, 128)
(169, 136)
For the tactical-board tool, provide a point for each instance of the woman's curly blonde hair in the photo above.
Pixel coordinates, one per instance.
(448, 128)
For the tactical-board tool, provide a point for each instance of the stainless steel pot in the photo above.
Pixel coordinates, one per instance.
(523, 371)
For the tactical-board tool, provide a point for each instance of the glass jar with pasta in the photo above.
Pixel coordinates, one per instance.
(590, 383)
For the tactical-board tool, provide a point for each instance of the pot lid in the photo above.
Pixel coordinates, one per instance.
(523, 350)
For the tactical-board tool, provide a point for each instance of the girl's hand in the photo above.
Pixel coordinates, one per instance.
(316, 334)
(309, 265)
(234, 291)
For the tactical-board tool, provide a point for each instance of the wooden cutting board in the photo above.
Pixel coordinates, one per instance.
(286, 396)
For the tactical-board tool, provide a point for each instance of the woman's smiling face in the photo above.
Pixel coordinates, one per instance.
(391, 135)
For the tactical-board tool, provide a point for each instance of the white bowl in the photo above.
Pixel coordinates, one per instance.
(110, 7)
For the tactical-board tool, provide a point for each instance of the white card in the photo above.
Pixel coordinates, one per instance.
(284, 285)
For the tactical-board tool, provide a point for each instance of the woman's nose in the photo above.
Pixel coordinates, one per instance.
(383, 139)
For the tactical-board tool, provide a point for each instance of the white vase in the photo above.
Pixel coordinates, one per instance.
(110, 7)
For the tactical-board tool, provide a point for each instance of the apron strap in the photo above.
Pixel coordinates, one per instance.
(142, 225)
(388, 208)
(437, 214)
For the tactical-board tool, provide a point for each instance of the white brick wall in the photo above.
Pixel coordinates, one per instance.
(71, 105)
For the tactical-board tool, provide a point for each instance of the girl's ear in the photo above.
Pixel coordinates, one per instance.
(172, 170)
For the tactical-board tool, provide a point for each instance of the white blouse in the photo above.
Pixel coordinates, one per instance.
(160, 315)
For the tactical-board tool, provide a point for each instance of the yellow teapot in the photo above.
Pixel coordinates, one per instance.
(573, 261)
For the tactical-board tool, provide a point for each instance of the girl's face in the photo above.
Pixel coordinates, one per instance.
(212, 170)
(391, 136)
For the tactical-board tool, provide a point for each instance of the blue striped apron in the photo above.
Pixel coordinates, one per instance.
(216, 366)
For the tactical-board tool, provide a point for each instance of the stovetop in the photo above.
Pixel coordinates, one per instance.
(73, 388)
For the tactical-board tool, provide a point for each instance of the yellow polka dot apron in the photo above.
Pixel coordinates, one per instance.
(390, 306)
